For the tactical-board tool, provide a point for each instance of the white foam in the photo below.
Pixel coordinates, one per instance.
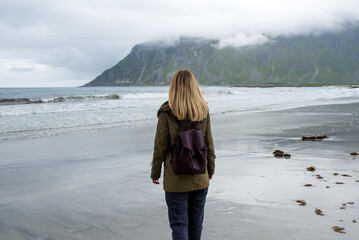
(137, 105)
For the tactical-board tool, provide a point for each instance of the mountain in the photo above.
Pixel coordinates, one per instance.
(328, 58)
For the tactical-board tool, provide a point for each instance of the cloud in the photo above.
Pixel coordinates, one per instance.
(21, 68)
(83, 38)
(243, 39)
(25, 73)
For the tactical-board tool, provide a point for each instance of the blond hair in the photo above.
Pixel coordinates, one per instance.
(185, 98)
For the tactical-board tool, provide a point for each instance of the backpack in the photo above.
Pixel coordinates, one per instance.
(189, 155)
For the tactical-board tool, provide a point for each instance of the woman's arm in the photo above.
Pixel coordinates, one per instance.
(160, 147)
(209, 143)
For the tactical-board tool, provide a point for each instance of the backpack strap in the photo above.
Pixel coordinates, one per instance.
(194, 125)
(179, 123)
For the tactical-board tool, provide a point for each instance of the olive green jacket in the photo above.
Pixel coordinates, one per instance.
(166, 137)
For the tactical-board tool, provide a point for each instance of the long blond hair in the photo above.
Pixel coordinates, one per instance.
(185, 98)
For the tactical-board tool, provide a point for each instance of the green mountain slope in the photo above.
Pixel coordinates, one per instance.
(330, 58)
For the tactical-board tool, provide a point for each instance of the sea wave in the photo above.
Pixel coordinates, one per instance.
(17, 101)
(146, 95)
(56, 111)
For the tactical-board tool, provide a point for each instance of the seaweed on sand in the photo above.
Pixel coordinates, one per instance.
(311, 168)
(319, 212)
(338, 229)
(301, 202)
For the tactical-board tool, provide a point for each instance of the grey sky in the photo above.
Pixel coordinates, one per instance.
(68, 43)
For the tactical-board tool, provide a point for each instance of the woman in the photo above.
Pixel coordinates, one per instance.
(185, 194)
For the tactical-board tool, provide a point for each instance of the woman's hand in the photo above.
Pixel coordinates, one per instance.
(155, 181)
(210, 177)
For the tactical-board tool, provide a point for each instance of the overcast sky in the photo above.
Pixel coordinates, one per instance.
(48, 43)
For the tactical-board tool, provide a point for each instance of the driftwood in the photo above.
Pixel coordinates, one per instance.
(314, 138)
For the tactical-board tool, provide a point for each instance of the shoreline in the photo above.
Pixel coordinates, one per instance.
(298, 85)
(148, 122)
(238, 85)
(96, 184)
(235, 85)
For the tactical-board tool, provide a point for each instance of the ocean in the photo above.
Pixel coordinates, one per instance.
(39, 112)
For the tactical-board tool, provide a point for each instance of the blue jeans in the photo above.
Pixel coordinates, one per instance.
(185, 213)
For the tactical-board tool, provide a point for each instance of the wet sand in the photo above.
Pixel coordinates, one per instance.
(96, 185)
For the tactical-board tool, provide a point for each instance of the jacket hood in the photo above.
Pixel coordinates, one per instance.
(164, 108)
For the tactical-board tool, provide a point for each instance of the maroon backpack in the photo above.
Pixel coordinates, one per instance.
(190, 153)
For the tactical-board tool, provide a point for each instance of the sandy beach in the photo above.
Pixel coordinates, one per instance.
(96, 184)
